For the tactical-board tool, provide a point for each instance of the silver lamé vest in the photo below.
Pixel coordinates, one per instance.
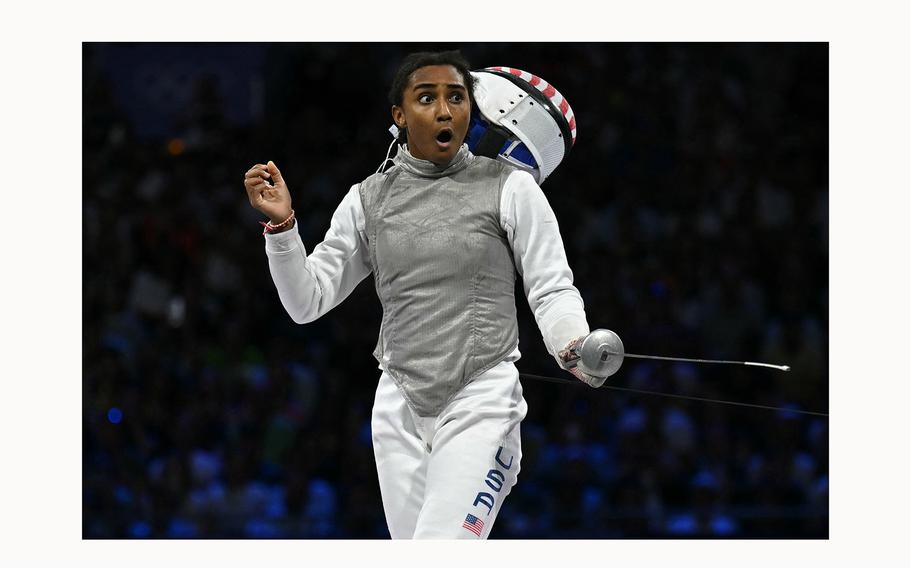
(444, 274)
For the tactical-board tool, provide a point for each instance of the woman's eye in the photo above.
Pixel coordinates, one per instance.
(424, 99)
(456, 98)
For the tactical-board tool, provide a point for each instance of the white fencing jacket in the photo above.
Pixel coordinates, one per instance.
(311, 285)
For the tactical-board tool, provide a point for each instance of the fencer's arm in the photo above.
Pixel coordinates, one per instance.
(541, 261)
(310, 286)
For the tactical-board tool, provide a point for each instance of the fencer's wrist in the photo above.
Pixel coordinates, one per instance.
(284, 228)
(283, 225)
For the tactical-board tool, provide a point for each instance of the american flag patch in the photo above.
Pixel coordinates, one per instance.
(473, 524)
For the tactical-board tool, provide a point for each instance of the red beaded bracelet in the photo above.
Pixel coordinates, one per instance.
(269, 227)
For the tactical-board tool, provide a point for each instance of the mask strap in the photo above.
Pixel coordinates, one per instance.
(394, 131)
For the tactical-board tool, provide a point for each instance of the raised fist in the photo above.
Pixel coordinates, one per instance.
(271, 199)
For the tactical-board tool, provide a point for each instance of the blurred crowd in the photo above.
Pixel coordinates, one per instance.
(694, 211)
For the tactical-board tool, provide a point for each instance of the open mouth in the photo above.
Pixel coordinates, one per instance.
(444, 136)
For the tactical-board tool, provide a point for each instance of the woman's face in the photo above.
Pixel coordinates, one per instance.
(436, 111)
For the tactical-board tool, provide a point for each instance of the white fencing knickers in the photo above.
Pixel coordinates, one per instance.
(446, 476)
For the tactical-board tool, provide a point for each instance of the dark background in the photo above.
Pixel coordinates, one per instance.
(694, 210)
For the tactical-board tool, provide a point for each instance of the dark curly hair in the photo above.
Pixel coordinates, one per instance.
(415, 61)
